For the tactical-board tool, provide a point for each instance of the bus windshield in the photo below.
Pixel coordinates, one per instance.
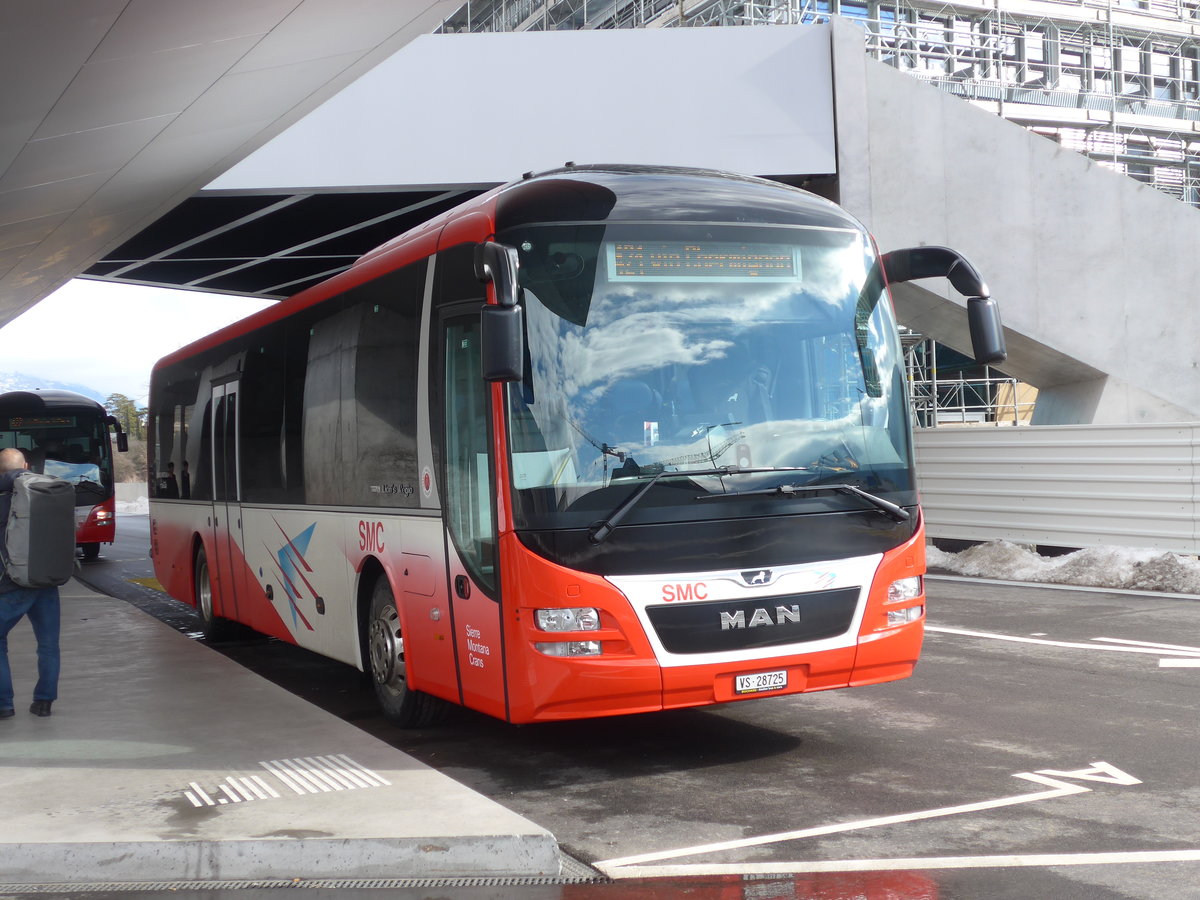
(656, 348)
(72, 445)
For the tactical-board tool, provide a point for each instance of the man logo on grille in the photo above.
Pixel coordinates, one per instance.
(760, 576)
(782, 615)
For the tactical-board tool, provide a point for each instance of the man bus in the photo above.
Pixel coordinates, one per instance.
(67, 435)
(605, 440)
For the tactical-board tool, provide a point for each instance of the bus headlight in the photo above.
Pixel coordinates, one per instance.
(568, 619)
(904, 616)
(905, 589)
(578, 618)
(569, 648)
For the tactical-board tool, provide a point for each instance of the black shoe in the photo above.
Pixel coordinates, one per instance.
(40, 707)
(6, 713)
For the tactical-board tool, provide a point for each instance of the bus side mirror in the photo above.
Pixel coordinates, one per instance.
(498, 264)
(502, 332)
(983, 316)
(122, 437)
(502, 326)
(987, 334)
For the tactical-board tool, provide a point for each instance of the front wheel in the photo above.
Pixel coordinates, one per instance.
(90, 550)
(401, 705)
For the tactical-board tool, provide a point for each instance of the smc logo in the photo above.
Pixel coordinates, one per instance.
(696, 591)
(370, 537)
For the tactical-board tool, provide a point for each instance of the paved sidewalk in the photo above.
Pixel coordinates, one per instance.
(164, 760)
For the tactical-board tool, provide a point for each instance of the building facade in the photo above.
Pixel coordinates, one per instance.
(1115, 80)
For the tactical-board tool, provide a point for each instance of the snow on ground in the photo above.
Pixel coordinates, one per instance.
(1111, 567)
(138, 507)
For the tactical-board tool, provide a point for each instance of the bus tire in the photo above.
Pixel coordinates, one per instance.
(213, 626)
(90, 550)
(401, 705)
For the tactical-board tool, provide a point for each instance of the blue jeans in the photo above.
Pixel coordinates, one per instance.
(41, 605)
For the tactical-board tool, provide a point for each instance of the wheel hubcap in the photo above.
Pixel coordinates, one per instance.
(204, 593)
(387, 648)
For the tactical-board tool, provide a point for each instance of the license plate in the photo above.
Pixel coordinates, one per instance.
(760, 681)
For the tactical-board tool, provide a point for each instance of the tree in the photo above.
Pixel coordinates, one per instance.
(131, 417)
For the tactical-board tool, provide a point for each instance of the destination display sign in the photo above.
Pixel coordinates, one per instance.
(701, 261)
(18, 423)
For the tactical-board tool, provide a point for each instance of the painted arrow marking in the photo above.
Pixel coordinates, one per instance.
(1098, 771)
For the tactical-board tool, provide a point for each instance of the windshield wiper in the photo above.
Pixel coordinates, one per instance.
(889, 509)
(599, 532)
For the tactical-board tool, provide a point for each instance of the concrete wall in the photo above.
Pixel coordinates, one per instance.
(488, 107)
(1095, 273)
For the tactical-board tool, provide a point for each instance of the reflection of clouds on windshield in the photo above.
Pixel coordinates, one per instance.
(631, 345)
(633, 329)
(669, 372)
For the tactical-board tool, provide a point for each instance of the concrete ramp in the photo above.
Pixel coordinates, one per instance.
(1095, 273)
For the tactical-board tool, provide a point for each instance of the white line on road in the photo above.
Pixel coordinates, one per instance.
(1152, 650)
(1100, 771)
(911, 864)
(1180, 663)
(1195, 651)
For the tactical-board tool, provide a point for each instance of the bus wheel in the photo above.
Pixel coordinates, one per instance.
(401, 705)
(213, 626)
(90, 550)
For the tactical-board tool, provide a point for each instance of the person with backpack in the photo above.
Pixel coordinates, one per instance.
(40, 604)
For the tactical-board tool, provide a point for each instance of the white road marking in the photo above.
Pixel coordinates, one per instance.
(1150, 649)
(1099, 771)
(1179, 663)
(911, 864)
(1195, 651)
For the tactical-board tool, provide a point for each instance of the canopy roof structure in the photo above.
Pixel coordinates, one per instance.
(115, 112)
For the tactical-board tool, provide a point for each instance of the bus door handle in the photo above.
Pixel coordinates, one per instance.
(462, 586)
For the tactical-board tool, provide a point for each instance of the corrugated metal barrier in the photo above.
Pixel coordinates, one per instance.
(1065, 486)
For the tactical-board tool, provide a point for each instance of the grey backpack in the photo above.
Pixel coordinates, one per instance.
(38, 550)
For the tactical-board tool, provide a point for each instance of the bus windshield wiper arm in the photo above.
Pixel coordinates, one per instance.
(889, 509)
(599, 532)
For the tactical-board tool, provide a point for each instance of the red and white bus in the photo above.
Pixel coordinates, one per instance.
(67, 435)
(604, 440)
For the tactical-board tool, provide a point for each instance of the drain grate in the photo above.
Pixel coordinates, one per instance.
(573, 872)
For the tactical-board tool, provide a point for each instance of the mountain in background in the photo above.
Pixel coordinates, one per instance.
(19, 381)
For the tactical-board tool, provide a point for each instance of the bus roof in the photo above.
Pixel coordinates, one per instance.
(43, 399)
(588, 193)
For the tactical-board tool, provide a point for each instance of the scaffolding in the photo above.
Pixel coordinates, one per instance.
(1115, 80)
(954, 396)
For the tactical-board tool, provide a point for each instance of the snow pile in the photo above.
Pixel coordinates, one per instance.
(138, 507)
(1111, 567)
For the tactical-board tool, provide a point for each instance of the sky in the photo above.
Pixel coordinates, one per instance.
(108, 336)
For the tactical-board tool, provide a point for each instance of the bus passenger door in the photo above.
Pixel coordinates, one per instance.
(229, 570)
(470, 518)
